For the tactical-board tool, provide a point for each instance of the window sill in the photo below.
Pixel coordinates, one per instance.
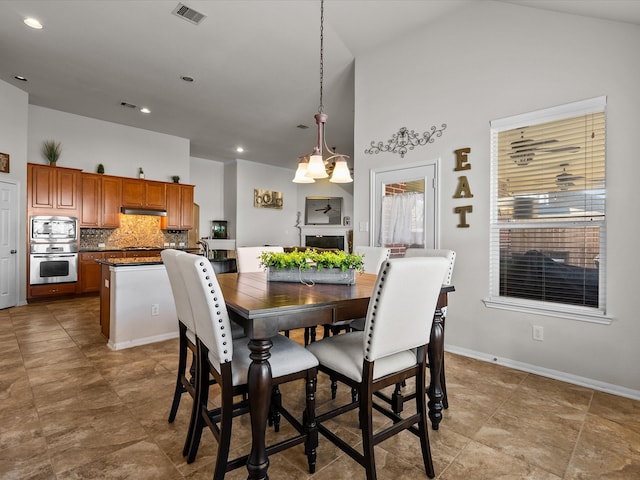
(582, 314)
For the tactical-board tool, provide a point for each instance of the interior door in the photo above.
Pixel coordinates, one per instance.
(384, 180)
(8, 244)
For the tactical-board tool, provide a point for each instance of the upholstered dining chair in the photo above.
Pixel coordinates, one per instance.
(450, 255)
(185, 378)
(227, 360)
(391, 349)
(248, 258)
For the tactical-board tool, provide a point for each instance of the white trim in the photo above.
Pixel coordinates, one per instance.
(572, 312)
(546, 372)
(142, 341)
(559, 112)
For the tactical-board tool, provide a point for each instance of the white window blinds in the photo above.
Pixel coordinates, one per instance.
(548, 208)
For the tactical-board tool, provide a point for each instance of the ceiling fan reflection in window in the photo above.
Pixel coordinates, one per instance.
(524, 149)
(565, 180)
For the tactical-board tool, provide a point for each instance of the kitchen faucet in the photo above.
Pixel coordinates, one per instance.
(205, 245)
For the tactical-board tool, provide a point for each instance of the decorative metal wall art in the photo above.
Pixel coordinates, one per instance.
(405, 140)
(267, 199)
(463, 190)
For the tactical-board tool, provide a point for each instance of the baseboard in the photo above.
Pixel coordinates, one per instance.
(546, 372)
(142, 341)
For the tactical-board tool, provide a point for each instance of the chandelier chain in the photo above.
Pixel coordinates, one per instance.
(321, 106)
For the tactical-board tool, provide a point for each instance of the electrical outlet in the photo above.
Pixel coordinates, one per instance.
(155, 309)
(538, 333)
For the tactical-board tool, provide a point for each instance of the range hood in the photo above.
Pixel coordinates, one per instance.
(143, 211)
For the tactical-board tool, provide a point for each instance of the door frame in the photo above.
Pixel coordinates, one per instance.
(432, 184)
(16, 233)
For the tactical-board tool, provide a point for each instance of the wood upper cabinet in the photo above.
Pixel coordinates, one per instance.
(101, 198)
(179, 207)
(138, 193)
(53, 188)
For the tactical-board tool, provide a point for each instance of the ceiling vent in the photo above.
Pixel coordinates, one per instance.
(188, 14)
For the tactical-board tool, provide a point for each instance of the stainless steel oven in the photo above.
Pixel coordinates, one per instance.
(54, 249)
(53, 263)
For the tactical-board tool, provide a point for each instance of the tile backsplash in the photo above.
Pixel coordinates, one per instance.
(134, 231)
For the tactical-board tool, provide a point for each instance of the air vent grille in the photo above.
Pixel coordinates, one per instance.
(188, 14)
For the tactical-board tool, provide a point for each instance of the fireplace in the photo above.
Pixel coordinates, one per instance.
(324, 236)
(325, 241)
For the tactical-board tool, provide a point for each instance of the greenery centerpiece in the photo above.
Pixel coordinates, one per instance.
(51, 150)
(312, 266)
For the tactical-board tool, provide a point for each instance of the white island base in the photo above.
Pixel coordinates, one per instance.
(141, 306)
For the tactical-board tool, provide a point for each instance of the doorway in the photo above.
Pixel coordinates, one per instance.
(8, 244)
(404, 212)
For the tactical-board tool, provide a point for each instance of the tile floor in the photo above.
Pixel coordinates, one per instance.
(72, 409)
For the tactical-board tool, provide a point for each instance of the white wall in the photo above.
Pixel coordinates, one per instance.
(86, 142)
(209, 193)
(491, 60)
(14, 105)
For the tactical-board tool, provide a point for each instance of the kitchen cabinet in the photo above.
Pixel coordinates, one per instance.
(89, 270)
(51, 290)
(53, 188)
(179, 207)
(101, 199)
(137, 193)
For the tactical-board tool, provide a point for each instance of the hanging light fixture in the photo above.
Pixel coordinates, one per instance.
(313, 166)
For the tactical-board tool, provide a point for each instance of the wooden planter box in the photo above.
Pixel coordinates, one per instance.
(326, 275)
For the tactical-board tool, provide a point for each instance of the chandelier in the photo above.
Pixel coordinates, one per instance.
(315, 165)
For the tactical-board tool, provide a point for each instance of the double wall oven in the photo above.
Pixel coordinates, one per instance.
(54, 249)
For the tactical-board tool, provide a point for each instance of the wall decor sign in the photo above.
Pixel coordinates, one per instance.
(323, 210)
(463, 190)
(267, 199)
(405, 140)
(4, 162)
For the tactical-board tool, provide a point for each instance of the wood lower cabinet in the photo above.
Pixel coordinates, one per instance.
(89, 270)
(179, 207)
(51, 290)
(53, 190)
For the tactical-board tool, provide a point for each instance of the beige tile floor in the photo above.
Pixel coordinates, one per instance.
(72, 409)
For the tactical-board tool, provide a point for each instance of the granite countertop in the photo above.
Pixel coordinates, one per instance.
(127, 262)
(129, 249)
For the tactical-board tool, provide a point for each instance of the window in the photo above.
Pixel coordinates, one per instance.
(548, 224)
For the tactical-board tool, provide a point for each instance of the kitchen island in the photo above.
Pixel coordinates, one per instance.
(136, 302)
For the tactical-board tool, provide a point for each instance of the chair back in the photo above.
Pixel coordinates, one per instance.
(402, 305)
(248, 258)
(450, 255)
(180, 295)
(372, 257)
(209, 310)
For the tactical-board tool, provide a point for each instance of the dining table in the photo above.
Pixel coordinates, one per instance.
(264, 308)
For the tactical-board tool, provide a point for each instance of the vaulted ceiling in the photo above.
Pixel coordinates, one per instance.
(254, 64)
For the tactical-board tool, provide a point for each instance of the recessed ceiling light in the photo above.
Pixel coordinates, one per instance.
(33, 23)
(145, 110)
(239, 149)
(187, 78)
(20, 77)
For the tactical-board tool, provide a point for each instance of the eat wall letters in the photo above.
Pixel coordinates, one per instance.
(463, 190)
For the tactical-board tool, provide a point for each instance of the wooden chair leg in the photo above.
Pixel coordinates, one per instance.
(182, 367)
(311, 428)
(423, 429)
(224, 439)
(197, 423)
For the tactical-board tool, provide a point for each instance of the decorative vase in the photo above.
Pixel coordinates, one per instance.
(312, 275)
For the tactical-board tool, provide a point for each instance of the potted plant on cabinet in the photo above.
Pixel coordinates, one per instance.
(51, 151)
(100, 168)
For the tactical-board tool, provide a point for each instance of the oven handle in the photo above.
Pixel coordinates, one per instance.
(56, 255)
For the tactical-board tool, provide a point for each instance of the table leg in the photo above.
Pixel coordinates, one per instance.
(260, 382)
(435, 353)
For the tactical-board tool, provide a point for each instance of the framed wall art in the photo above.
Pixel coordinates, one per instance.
(323, 211)
(267, 199)
(4, 163)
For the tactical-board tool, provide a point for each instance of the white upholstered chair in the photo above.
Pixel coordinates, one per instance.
(372, 257)
(391, 349)
(227, 361)
(248, 258)
(450, 255)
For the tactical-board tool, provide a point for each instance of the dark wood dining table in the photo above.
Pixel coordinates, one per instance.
(265, 308)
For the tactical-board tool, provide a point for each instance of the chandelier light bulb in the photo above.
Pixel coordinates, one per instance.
(301, 173)
(341, 172)
(316, 168)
